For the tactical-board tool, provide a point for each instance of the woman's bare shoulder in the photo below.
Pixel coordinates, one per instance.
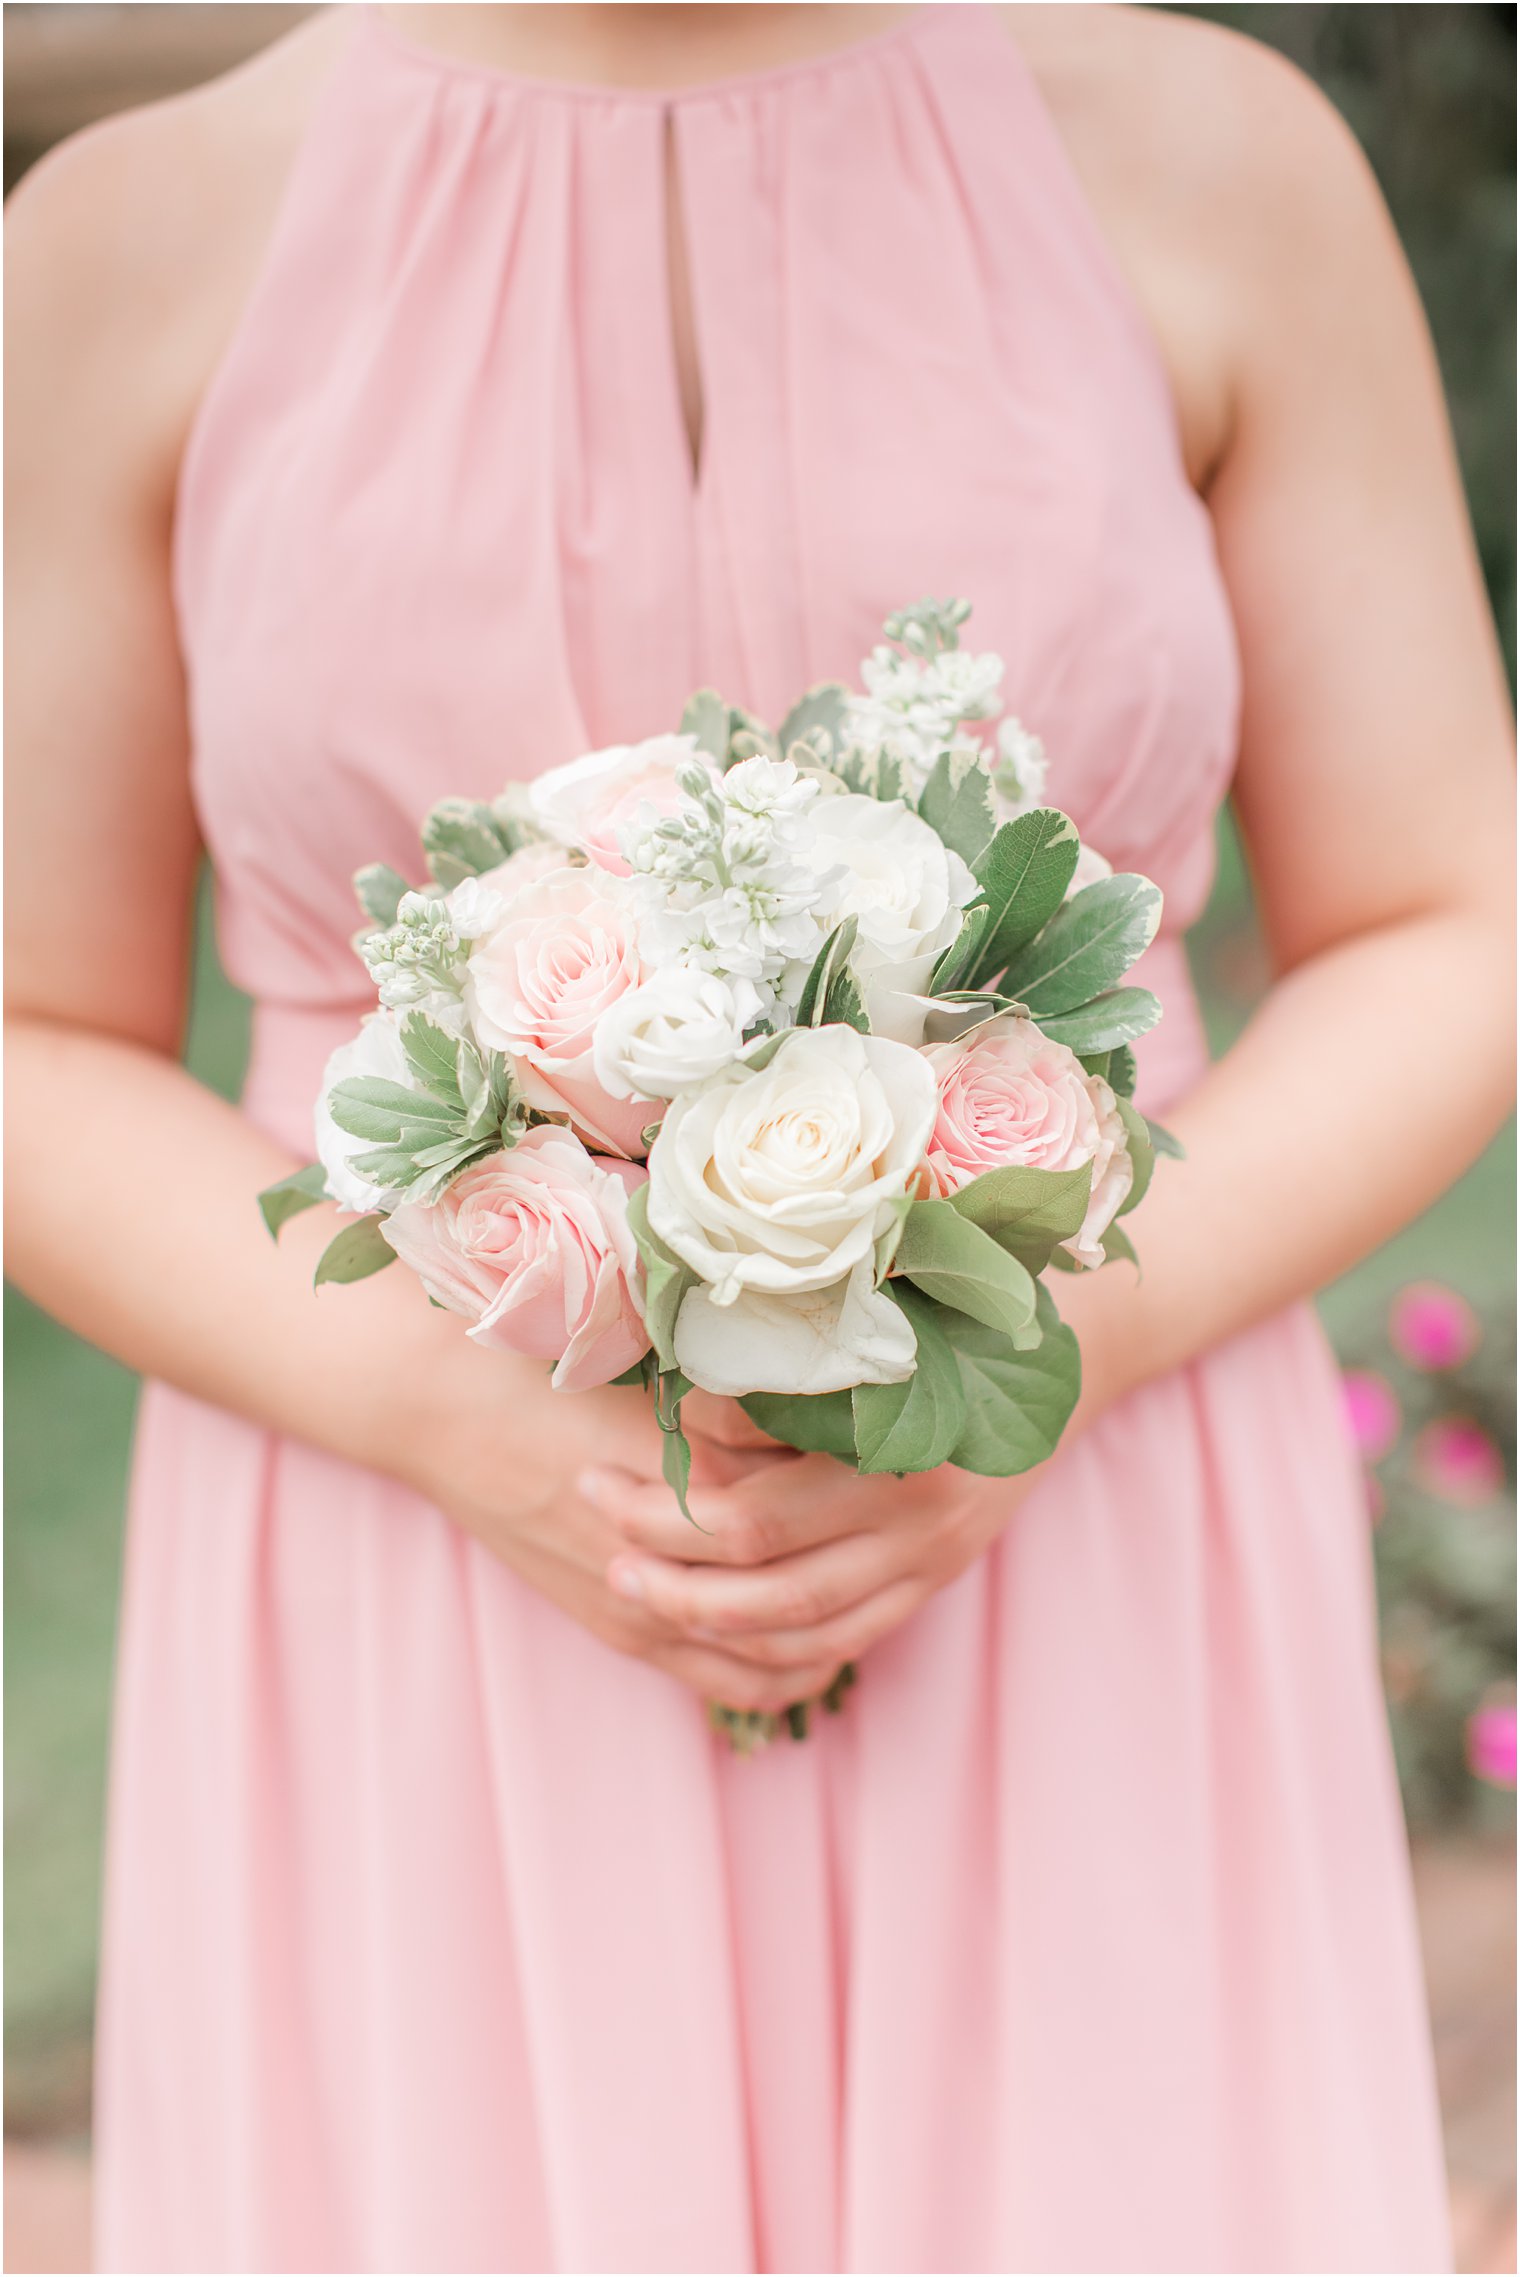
(1229, 187)
(1187, 100)
(131, 246)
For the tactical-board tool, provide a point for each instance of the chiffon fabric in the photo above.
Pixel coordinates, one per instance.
(440, 1937)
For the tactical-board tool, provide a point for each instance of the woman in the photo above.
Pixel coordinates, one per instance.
(447, 392)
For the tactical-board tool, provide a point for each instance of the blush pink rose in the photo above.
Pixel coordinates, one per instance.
(539, 980)
(534, 1249)
(1009, 1096)
(590, 802)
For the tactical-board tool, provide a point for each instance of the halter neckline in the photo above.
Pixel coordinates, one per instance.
(911, 25)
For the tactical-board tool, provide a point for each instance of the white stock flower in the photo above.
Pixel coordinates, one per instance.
(906, 891)
(676, 1031)
(773, 1186)
(375, 1051)
(914, 708)
(1020, 769)
(964, 686)
(724, 882)
(418, 960)
(474, 907)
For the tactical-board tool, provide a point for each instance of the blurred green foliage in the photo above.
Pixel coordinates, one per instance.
(1430, 92)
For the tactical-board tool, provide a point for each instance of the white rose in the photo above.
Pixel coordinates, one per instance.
(376, 1050)
(682, 1027)
(592, 801)
(907, 891)
(773, 1186)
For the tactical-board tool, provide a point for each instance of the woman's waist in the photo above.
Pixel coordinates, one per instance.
(292, 1043)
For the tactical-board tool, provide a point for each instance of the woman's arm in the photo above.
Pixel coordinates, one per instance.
(1375, 794)
(131, 1190)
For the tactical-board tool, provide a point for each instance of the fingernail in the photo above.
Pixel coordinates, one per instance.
(627, 1581)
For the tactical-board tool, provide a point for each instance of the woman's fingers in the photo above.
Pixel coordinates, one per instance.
(791, 1654)
(734, 1683)
(770, 1513)
(733, 1602)
(716, 1464)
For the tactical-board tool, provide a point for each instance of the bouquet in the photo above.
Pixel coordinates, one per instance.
(790, 1063)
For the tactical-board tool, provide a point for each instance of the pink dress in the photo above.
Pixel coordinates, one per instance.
(439, 1937)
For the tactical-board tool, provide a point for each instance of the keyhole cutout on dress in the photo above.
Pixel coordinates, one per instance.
(683, 330)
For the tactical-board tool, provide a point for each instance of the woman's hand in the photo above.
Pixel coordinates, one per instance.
(802, 1564)
(794, 1560)
(497, 1450)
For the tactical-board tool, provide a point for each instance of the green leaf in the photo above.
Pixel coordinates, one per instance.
(352, 1255)
(641, 1374)
(461, 838)
(748, 737)
(1023, 873)
(378, 1127)
(913, 1426)
(706, 717)
(1141, 1153)
(822, 1423)
(1088, 945)
(288, 1197)
(666, 1278)
(1116, 1067)
(759, 1053)
(844, 1006)
(1110, 1020)
(821, 710)
(389, 1114)
(1117, 1243)
(831, 960)
(379, 889)
(670, 1389)
(957, 803)
(474, 1088)
(392, 1166)
(1017, 1403)
(1027, 1212)
(951, 1259)
(961, 955)
(433, 1056)
(1164, 1143)
(885, 1247)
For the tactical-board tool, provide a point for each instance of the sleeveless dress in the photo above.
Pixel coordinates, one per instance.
(440, 1937)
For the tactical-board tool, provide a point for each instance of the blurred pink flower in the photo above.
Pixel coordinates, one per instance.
(1372, 1412)
(1433, 1327)
(1491, 1745)
(1456, 1459)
